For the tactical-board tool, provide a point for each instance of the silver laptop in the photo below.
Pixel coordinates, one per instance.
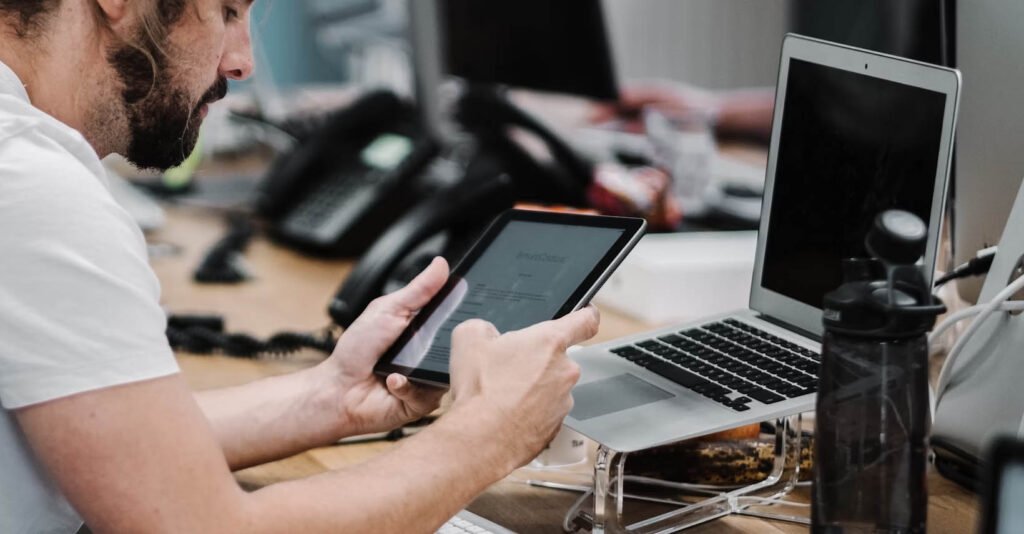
(854, 133)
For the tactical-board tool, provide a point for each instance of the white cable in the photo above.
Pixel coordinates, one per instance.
(989, 308)
(967, 313)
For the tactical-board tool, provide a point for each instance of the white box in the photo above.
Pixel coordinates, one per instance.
(683, 276)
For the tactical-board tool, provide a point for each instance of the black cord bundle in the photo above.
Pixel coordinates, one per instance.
(205, 335)
(220, 264)
(976, 266)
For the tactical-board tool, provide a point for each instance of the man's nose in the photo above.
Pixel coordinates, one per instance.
(237, 62)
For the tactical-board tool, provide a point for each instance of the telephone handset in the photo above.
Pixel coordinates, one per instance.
(486, 113)
(350, 179)
(447, 223)
(451, 219)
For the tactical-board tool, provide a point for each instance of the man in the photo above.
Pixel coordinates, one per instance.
(97, 424)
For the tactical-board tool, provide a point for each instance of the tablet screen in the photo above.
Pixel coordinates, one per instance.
(528, 272)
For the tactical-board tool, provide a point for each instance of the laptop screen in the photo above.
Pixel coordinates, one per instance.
(851, 146)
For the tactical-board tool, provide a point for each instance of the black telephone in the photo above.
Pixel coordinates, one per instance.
(448, 221)
(360, 185)
(349, 179)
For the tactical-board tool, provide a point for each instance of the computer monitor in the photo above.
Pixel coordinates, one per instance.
(558, 46)
(989, 154)
(922, 30)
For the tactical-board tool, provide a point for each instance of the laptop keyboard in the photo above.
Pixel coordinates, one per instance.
(730, 362)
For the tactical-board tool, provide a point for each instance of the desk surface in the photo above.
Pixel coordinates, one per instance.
(290, 292)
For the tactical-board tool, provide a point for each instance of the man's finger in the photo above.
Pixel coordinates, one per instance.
(419, 398)
(398, 385)
(417, 293)
(574, 328)
(474, 329)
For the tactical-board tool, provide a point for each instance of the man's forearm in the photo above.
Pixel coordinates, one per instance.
(272, 418)
(413, 488)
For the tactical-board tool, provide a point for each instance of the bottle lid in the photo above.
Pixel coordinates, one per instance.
(885, 296)
(869, 308)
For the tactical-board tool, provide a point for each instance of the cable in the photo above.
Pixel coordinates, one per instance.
(200, 334)
(985, 312)
(978, 265)
(967, 313)
(222, 262)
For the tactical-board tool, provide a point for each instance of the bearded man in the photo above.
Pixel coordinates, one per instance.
(96, 422)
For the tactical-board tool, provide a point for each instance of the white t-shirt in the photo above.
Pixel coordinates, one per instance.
(79, 304)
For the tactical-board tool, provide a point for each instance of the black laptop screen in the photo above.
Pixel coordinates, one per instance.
(850, 146)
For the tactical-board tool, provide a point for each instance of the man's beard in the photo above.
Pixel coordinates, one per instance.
(163, 119)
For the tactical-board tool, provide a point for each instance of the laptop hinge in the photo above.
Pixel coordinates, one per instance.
(791, 328)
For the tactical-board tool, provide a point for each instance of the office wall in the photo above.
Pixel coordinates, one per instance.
(285, 45)
(709, 43)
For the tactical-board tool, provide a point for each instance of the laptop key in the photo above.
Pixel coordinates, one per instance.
(809, 367)
(800, 392)
(732, 382)
(670, 339)
(794, 392)
(807, 381)
(627, 351)
(645, 360)
(677, 374)
(689, 363)
(763, 396)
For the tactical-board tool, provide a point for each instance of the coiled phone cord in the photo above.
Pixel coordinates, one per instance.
(205, 335)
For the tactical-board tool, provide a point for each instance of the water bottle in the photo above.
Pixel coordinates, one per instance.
(872, 417)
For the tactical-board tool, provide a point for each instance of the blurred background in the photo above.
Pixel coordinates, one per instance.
(717, 44)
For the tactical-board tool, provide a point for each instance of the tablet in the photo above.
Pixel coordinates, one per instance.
(527, 267)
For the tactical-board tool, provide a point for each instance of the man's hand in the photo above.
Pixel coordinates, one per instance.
(367, 403)
(517, 386)
(670, 98)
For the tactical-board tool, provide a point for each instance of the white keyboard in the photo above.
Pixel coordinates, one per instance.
(467, 522)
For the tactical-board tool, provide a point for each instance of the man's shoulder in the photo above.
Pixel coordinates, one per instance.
(40, 155)
(30, 137)
(54, 186)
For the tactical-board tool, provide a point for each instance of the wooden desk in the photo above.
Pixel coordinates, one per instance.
(291, 292)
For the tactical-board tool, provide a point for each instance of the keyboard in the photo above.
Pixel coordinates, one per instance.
(323, 202)
(729, 362)
(466, 522)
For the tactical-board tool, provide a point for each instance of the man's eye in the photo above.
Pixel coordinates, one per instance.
(230, 13)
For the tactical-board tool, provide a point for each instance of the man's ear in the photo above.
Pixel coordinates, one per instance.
(113, 10)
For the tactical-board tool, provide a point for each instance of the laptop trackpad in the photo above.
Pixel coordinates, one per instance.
(614, 394)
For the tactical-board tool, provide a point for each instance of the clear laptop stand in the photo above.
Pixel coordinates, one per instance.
(606, 514)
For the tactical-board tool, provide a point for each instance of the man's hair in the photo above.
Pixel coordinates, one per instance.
(29, 17)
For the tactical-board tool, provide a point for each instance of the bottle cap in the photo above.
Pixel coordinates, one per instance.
(885, 296)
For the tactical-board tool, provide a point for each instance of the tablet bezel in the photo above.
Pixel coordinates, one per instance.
(633, 230)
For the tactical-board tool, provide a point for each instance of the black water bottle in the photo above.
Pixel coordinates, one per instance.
(872, 417)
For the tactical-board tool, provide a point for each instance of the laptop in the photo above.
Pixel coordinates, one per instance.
(854, 133)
